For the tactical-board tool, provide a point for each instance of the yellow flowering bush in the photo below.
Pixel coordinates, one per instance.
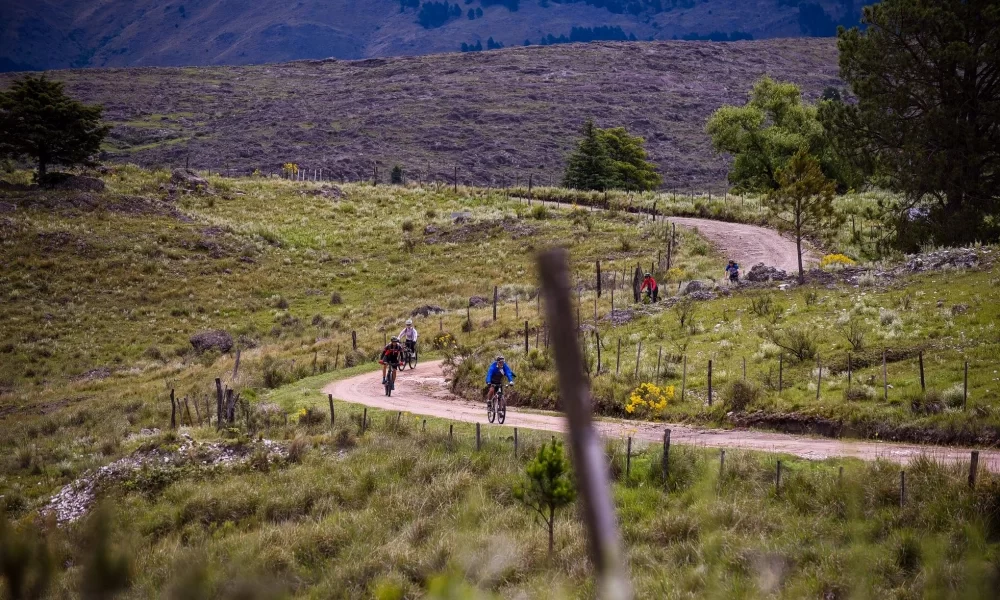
(648, 400)
(675, 274)
(290, 169)
(835, 261)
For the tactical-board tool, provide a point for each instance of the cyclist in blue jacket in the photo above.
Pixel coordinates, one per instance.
(495, 376)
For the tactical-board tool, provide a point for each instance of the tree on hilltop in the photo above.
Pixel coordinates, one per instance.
(38, 120)
(926, 121)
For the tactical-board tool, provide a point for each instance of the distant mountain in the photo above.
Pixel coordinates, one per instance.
(498, 117)
(55, 34)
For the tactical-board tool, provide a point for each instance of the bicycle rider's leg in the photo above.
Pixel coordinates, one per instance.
(383, 371)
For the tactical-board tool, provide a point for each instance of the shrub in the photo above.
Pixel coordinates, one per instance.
(273, 375)
(954, 396)
(854, 332)
(739, 395)
(298, 449)
(540, 212)
(335, 298)
(648, 399)
(354, 358)
(279, 302)
(929, 403)
(836, 261)
(625, 243)
(153, 353)
(887, 316)
(907, 554)
(311, 416)
(344, 439)
(443, 340)
(811, 297)
(800, 342)
(859, 393)
(408, 226)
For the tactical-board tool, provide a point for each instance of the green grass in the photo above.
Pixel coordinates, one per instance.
(394, 509)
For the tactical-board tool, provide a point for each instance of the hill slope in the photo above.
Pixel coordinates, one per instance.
(494, 115)
(51, 34)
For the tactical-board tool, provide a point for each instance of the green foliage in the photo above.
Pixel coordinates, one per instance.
(764, 134)
(927, 117)
(548, 484)
(27, 564)
(107, 569)
(38, 120)
(803, 202)
(610, 159)
(396, 175)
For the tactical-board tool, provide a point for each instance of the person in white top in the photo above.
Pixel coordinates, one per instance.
(409, 336)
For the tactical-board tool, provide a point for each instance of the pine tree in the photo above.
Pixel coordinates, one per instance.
(38, 120)
(548, 485)
(589, 167)
(396, 175)
(803, 202)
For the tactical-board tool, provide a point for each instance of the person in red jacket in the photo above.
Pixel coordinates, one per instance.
(650, 287)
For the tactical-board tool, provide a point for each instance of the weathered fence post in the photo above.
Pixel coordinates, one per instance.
(173, 410)
(364, 421)
(628, 458)
(354, 340)
(638, 358)
(218, 403)
(451, 432)
(973, 468)
(236, 365)
(597, 335)
(710, 382)
(515, 442)
(665, 464)
(819, 377)
(495, 293)
(333, 418)
(478, 440)
(618, 360)
(965, 387)
(902, 489)
(598, 278)
(885, 378)
(659, 358)
(777, 480)
(684, 376)
(920, 360)
(525, 336)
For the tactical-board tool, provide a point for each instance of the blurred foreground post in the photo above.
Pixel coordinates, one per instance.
(588, 456)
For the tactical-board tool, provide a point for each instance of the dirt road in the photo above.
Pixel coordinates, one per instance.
(424, 391)
(749, 244)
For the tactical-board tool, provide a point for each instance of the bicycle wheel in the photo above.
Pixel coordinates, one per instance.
(501, 409)
(491, 412)
(412, 360)
(391, 384)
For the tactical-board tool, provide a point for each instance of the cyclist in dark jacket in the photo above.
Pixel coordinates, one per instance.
(392, 354)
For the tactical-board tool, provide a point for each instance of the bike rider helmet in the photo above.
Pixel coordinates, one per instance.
(409, 321)
(499, 357)
(647, 275)
(395, 339)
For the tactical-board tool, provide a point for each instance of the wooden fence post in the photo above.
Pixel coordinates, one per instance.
(628, 458)
(777, 480)
(333, 418)
(364, 421)
(973, 468)
(515, 442)
(659, 358)
(354, 340)
(722, 465)
(744, 368)
(478, 439)
(819, 377)
(236, 365)
(920, 359)
(451, 432)
(710, 382)
(781, 368)
(638, 358)
(218, 403)
(684, 376)
(598, 278)
(902, 489)
(965, 387)
(665, 464)
(618, 360)
(495, 292)
(597, 335)
(885, 378)
(173, 410)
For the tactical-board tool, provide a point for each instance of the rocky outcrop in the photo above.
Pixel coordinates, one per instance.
(204, 341)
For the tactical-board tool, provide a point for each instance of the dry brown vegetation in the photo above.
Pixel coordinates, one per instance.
(498, 116)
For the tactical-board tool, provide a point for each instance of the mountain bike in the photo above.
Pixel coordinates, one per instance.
(409, 357)
(496, 407)
(390, 380)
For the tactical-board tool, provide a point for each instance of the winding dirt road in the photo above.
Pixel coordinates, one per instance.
(749, 244)
(424, 391)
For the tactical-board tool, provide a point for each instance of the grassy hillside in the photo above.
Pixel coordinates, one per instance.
(432, 114)
(54, 34)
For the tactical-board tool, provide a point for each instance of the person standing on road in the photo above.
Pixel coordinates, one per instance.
(733, 272)
(495, 376)
(409, 336)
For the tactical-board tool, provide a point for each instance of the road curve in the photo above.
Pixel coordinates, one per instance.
(749, 244)
(424, 391)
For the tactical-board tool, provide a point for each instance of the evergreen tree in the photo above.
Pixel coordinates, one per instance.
(548, 485)
(927, 117)
(631, 170)
(396, 175)
(38, 120)
(589, 167)
(803, 202)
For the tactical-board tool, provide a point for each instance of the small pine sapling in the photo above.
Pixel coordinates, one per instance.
(548, 485)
